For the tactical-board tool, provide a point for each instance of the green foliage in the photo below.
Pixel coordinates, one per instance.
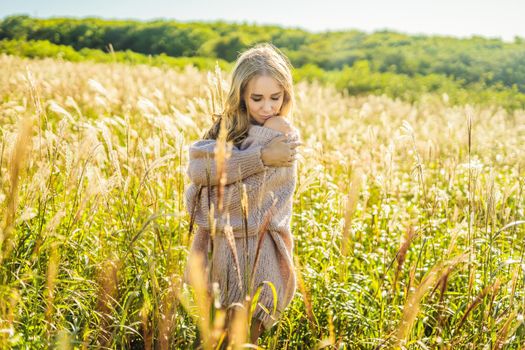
(358, 79)
(476, 70)
(42, 49)
(475, 60)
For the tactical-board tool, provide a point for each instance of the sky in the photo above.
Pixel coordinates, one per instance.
(460, 18)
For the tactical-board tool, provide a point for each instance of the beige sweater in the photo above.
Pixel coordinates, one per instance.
(265, 186)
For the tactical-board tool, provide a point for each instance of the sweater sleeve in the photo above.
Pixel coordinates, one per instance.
(261, 134)
(241, 163)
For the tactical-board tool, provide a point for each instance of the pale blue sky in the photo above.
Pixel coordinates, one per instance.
(461, 18)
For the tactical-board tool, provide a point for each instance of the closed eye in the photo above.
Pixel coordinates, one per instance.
(273, 98)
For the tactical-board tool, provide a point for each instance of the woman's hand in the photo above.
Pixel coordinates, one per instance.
(279, 153)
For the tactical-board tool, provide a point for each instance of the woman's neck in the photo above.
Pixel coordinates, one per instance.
(254, 122)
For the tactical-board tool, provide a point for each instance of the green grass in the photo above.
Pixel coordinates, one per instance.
(95, 234)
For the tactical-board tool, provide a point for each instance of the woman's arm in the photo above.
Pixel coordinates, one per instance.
(243, 162)
(240, 164)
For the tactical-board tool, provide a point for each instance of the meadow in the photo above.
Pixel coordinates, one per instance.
(408, 217)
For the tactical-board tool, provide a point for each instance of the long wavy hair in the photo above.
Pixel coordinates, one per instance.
(262, 59)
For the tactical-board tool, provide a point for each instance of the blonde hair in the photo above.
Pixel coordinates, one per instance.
(262, 59)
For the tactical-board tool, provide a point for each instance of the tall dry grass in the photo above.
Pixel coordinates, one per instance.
(95, 233)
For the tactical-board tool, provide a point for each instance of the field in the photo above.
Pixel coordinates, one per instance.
(408, 218)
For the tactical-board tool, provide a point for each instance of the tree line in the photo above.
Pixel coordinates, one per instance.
(476, 60)
(397, 64)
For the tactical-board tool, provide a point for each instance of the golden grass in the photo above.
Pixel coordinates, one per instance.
(93, 224)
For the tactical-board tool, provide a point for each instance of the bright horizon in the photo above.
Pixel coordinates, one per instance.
(491, 19)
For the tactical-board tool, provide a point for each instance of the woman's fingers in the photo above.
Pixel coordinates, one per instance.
(291, 160)
(295, 144)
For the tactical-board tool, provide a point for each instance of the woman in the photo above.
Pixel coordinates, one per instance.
(262, 163)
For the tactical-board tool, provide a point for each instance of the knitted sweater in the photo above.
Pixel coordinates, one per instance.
(269, 190)
(264, 186)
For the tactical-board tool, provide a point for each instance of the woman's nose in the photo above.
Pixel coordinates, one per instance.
(268, 106)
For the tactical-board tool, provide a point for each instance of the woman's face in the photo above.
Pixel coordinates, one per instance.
(263, 98)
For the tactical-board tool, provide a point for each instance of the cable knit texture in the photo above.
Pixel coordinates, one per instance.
(269, 191)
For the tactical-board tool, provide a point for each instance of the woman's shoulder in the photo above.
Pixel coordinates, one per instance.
(275, 126)
(280, 123)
